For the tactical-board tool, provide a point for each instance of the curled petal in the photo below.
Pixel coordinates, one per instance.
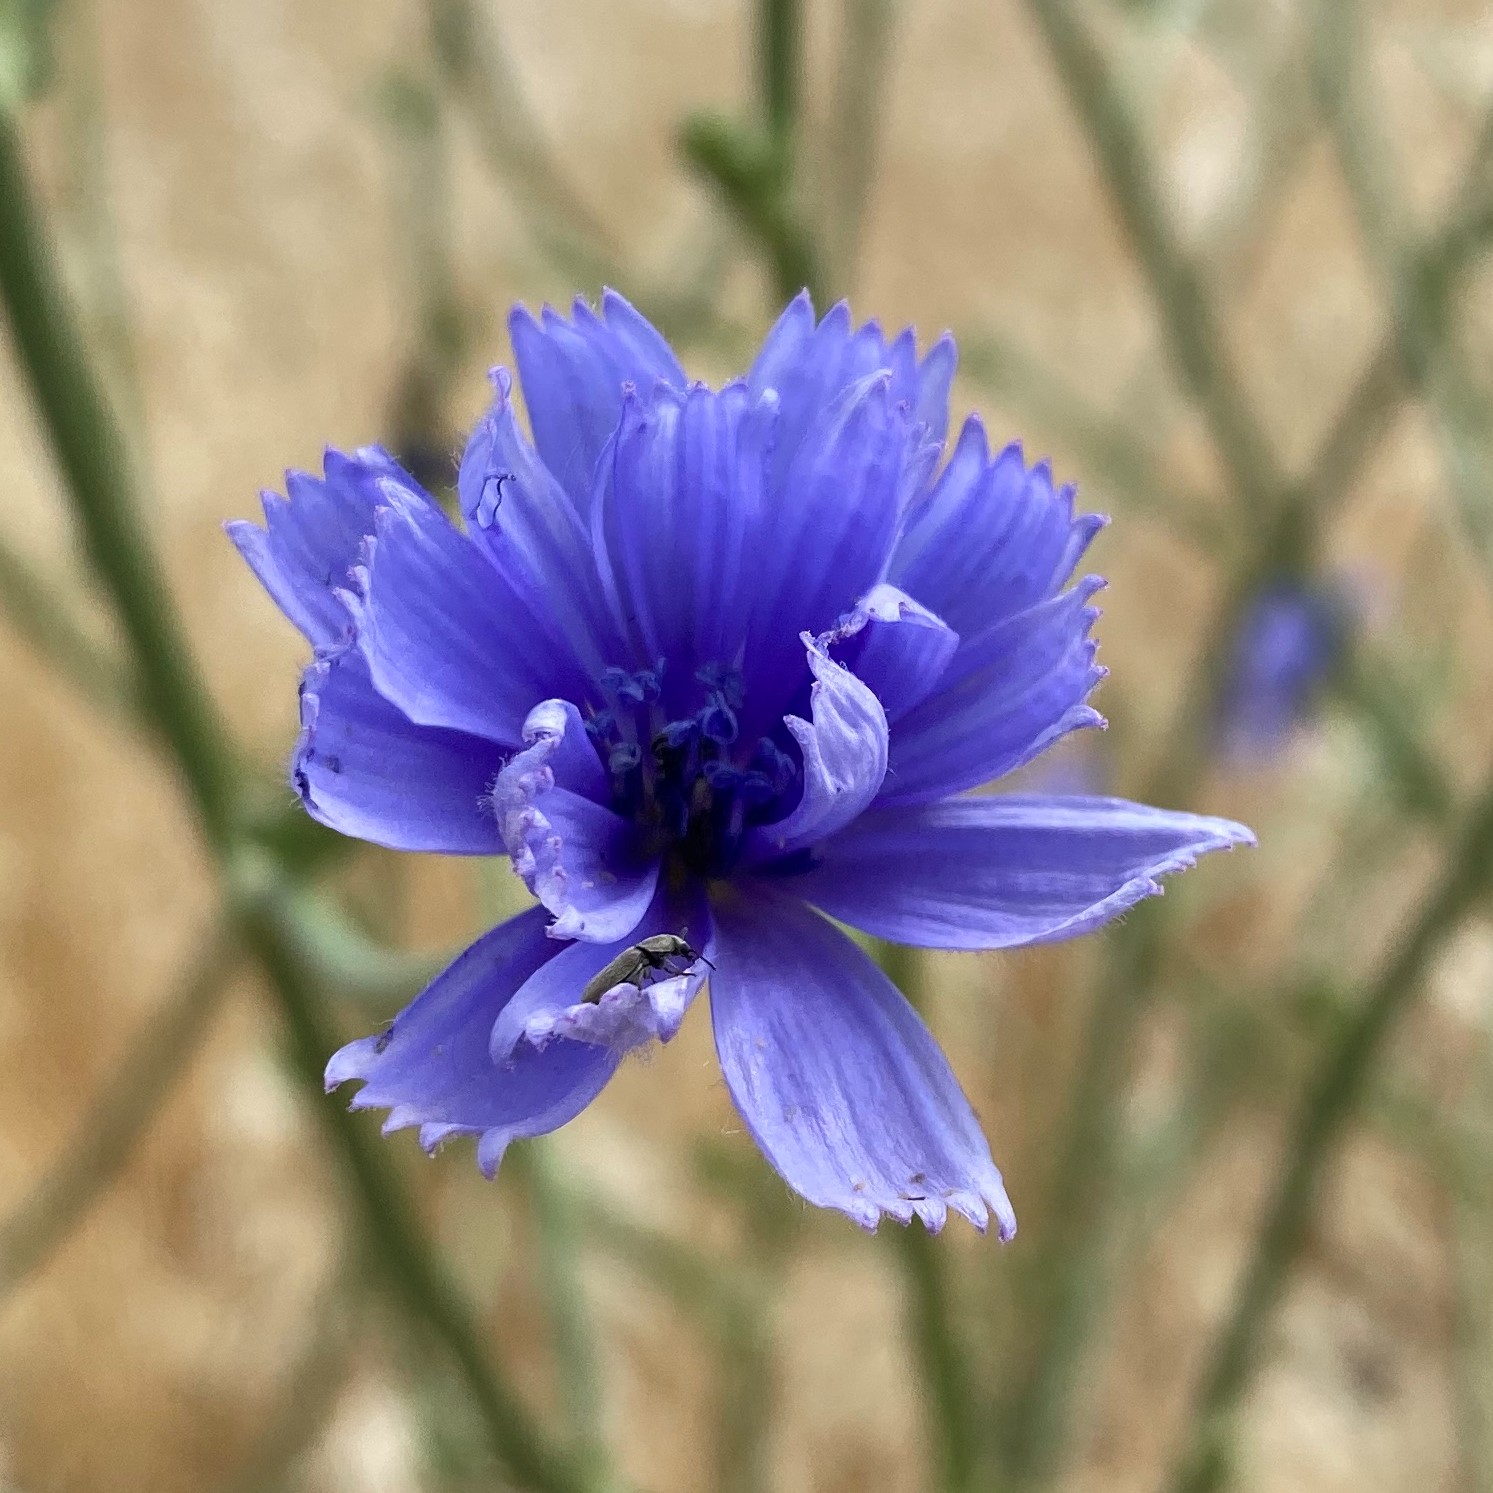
(363, 768)
(582, 861)
(1004, 870)
(1022, 686)
(894, 645)
(844, 760)
(838, 1080)
(314, 535)
(573, 373)
(432, 1068)
(549, 1006)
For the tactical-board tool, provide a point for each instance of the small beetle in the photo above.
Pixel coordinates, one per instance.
(634, 965)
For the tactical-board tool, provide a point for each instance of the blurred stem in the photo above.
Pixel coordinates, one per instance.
(121, 1111)
(780, 48)
(475, 66)
(1458, 414)
(1189, 318)
(31, 606)
(1330, 1103)
(943, 1371)
(745, 172)
(847, 175)
(92, 457)
(572, 1332)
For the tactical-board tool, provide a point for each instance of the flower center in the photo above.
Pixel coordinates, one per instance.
(690, 781)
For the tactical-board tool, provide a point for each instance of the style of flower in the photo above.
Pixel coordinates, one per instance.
(712, 663)
(1290, 640)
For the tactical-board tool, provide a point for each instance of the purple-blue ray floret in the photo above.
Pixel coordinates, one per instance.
(713, 665)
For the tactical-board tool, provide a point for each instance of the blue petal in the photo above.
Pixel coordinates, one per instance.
(992, 539)
(583, 862)
(1024, 687)
(825, 540)
(809, 367)
(573, 373)
(540, 543)
(432, 1067)
(844, 760)
(998, 872)
(682, 515)
(838, 1080)
(313, 538)
(432, 622)
(364, 769)
(549, 1007)
(894, 645)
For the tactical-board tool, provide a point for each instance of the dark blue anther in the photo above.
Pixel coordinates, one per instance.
(718, 720)
(602, 726)
(722, 777)
(613, 679)
(778, 766)
(756, 789)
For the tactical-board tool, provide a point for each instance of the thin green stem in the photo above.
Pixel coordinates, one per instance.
(1189, 317)
(31, 606)
(87, 445)
(557, 1224)
(92, 457)
(943, 1369)
(779, 47)
(847, 174)
(414, 1272)
(1329, 1105)
(120, 1113)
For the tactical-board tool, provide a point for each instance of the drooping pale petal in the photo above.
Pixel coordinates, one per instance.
(573, 373)
(1026, 684)
(540, 545)
(549, 1006)
(992, 539)
(809, 366)
(844, 752)
(432, 624)
(1000, 871)
(432, 1067)
(895, 646)
(364, 769)
(313, 537)
(587, 865)
(835, 1075)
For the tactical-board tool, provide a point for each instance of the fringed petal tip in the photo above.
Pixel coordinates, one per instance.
(978, 1208)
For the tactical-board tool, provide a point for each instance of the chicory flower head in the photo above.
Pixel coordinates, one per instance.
(1290, 640)
(713, 664)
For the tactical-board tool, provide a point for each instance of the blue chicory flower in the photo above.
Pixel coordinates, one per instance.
(712, 663)
(1288, 643)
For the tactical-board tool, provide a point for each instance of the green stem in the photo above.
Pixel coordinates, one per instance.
(1189, 318)
(88, 447)
(943, 1371)
(92, 457)
(1330, 1103)
(572, 1332)
(779, 44)
(31, 606)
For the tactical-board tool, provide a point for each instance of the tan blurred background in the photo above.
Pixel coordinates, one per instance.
(241, 221)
